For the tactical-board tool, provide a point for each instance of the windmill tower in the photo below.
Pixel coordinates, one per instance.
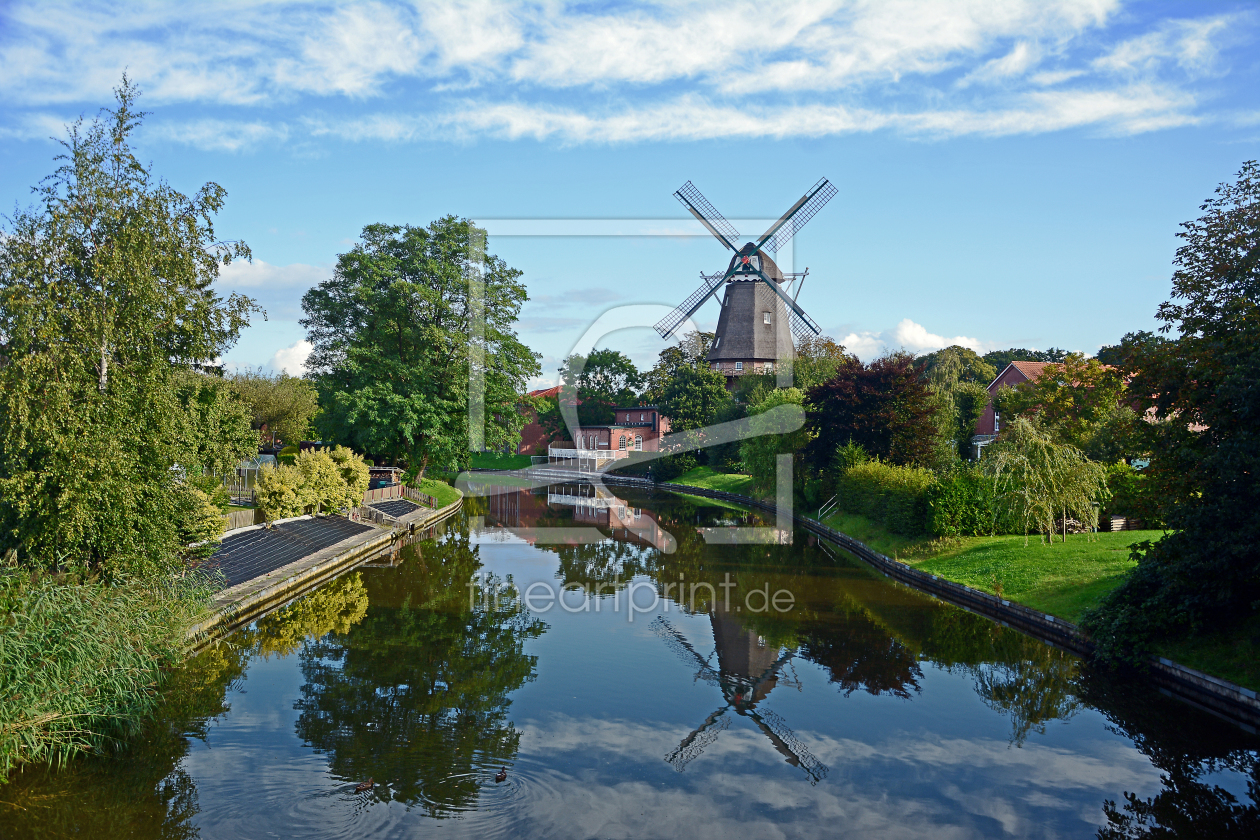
(759, 319)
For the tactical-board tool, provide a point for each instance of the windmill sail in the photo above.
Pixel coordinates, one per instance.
(676, 318)
(795, 218)
(708, 215)
(797, 319)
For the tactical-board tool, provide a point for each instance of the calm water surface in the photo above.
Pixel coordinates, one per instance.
(862, 708)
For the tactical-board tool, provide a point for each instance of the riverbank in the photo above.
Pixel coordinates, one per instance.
(1058, 581)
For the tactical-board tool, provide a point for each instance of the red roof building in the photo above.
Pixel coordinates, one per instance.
(990, 423)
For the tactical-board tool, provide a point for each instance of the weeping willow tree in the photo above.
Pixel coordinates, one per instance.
(1036, 481)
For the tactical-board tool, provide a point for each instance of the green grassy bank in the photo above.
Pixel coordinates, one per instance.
(711, 479)
(440, 490)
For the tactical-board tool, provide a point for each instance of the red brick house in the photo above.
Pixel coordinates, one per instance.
(990, 423)
(634, 429)
(534, 438)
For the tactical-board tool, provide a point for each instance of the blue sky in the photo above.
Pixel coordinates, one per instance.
(1010, 173)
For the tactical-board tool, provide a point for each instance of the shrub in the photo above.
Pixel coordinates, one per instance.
(354, 475)
(322, 482)
(960, 504)
(279, 493)
(201, 521)
(288, 455)
(894, 496)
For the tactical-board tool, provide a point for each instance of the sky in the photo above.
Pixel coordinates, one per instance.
(1009, 174)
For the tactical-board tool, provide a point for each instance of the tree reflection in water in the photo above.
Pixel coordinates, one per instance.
(416, 694)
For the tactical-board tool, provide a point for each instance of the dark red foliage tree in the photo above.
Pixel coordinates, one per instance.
(883, 406)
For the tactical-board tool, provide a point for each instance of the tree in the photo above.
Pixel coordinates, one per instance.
(355, 477)
(1200, 391)
(760, 452)
(999, 359)
(1074, 400)
(694, 397)
(1037, 481)
(691, 350)
(279, 492)
(957, 378)
(392, 331)
(603, 380)
(955, 364)
(322, 483)
(818, 358)
(1131, 349)
(285, 405)
(883, 407)
(106, 306)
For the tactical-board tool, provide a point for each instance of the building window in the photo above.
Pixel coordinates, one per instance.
(717, 366)
(641, 416)
(622, 444)
(765, 317)
(997, 422)
(638, 443)
(739, 366)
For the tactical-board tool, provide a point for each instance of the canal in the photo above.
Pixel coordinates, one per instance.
(642, 666)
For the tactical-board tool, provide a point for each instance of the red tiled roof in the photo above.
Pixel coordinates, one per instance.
(546, 392)
(1032, 370)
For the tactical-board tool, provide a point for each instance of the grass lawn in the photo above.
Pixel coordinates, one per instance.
(440, 490)
(711, 479)
(1061, 579)
(495, 461)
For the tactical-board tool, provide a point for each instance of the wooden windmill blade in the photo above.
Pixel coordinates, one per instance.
(787, 744)
(699, 738)
(797, 319)
(680, 313)
(707, 214)
(795, 218)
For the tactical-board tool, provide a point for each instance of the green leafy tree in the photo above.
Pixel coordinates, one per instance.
(391, 332)
(285, 405)
(999, 359)
(1132, 348)
(957, 378)
(1071, 399)
(1200, 391)
(690, 351)
(694, 397)
(602, 380)
(818, 358)
(106, 305)
(955, 364)
(883, 407)
(355, 477)
(1037, 481)
(760, 452)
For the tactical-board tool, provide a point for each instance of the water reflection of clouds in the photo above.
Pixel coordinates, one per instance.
(900, 784)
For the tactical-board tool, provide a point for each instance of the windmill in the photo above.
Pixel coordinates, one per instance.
(747, 671)
(758, 318)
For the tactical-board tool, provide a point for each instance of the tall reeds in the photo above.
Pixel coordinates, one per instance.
(80, 662)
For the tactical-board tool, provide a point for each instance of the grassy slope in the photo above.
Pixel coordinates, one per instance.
(494, 461)
(1061, 579)
(1233, 655)
(713, 480)
(440, 490)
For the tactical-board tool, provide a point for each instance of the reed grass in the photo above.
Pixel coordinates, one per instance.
(80, 662)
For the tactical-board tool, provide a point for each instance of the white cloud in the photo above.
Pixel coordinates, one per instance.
(907, 335)
(292, 360)
(652, 71)
(277, 289)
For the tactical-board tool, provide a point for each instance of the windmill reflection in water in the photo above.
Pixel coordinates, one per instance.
(747, 670)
